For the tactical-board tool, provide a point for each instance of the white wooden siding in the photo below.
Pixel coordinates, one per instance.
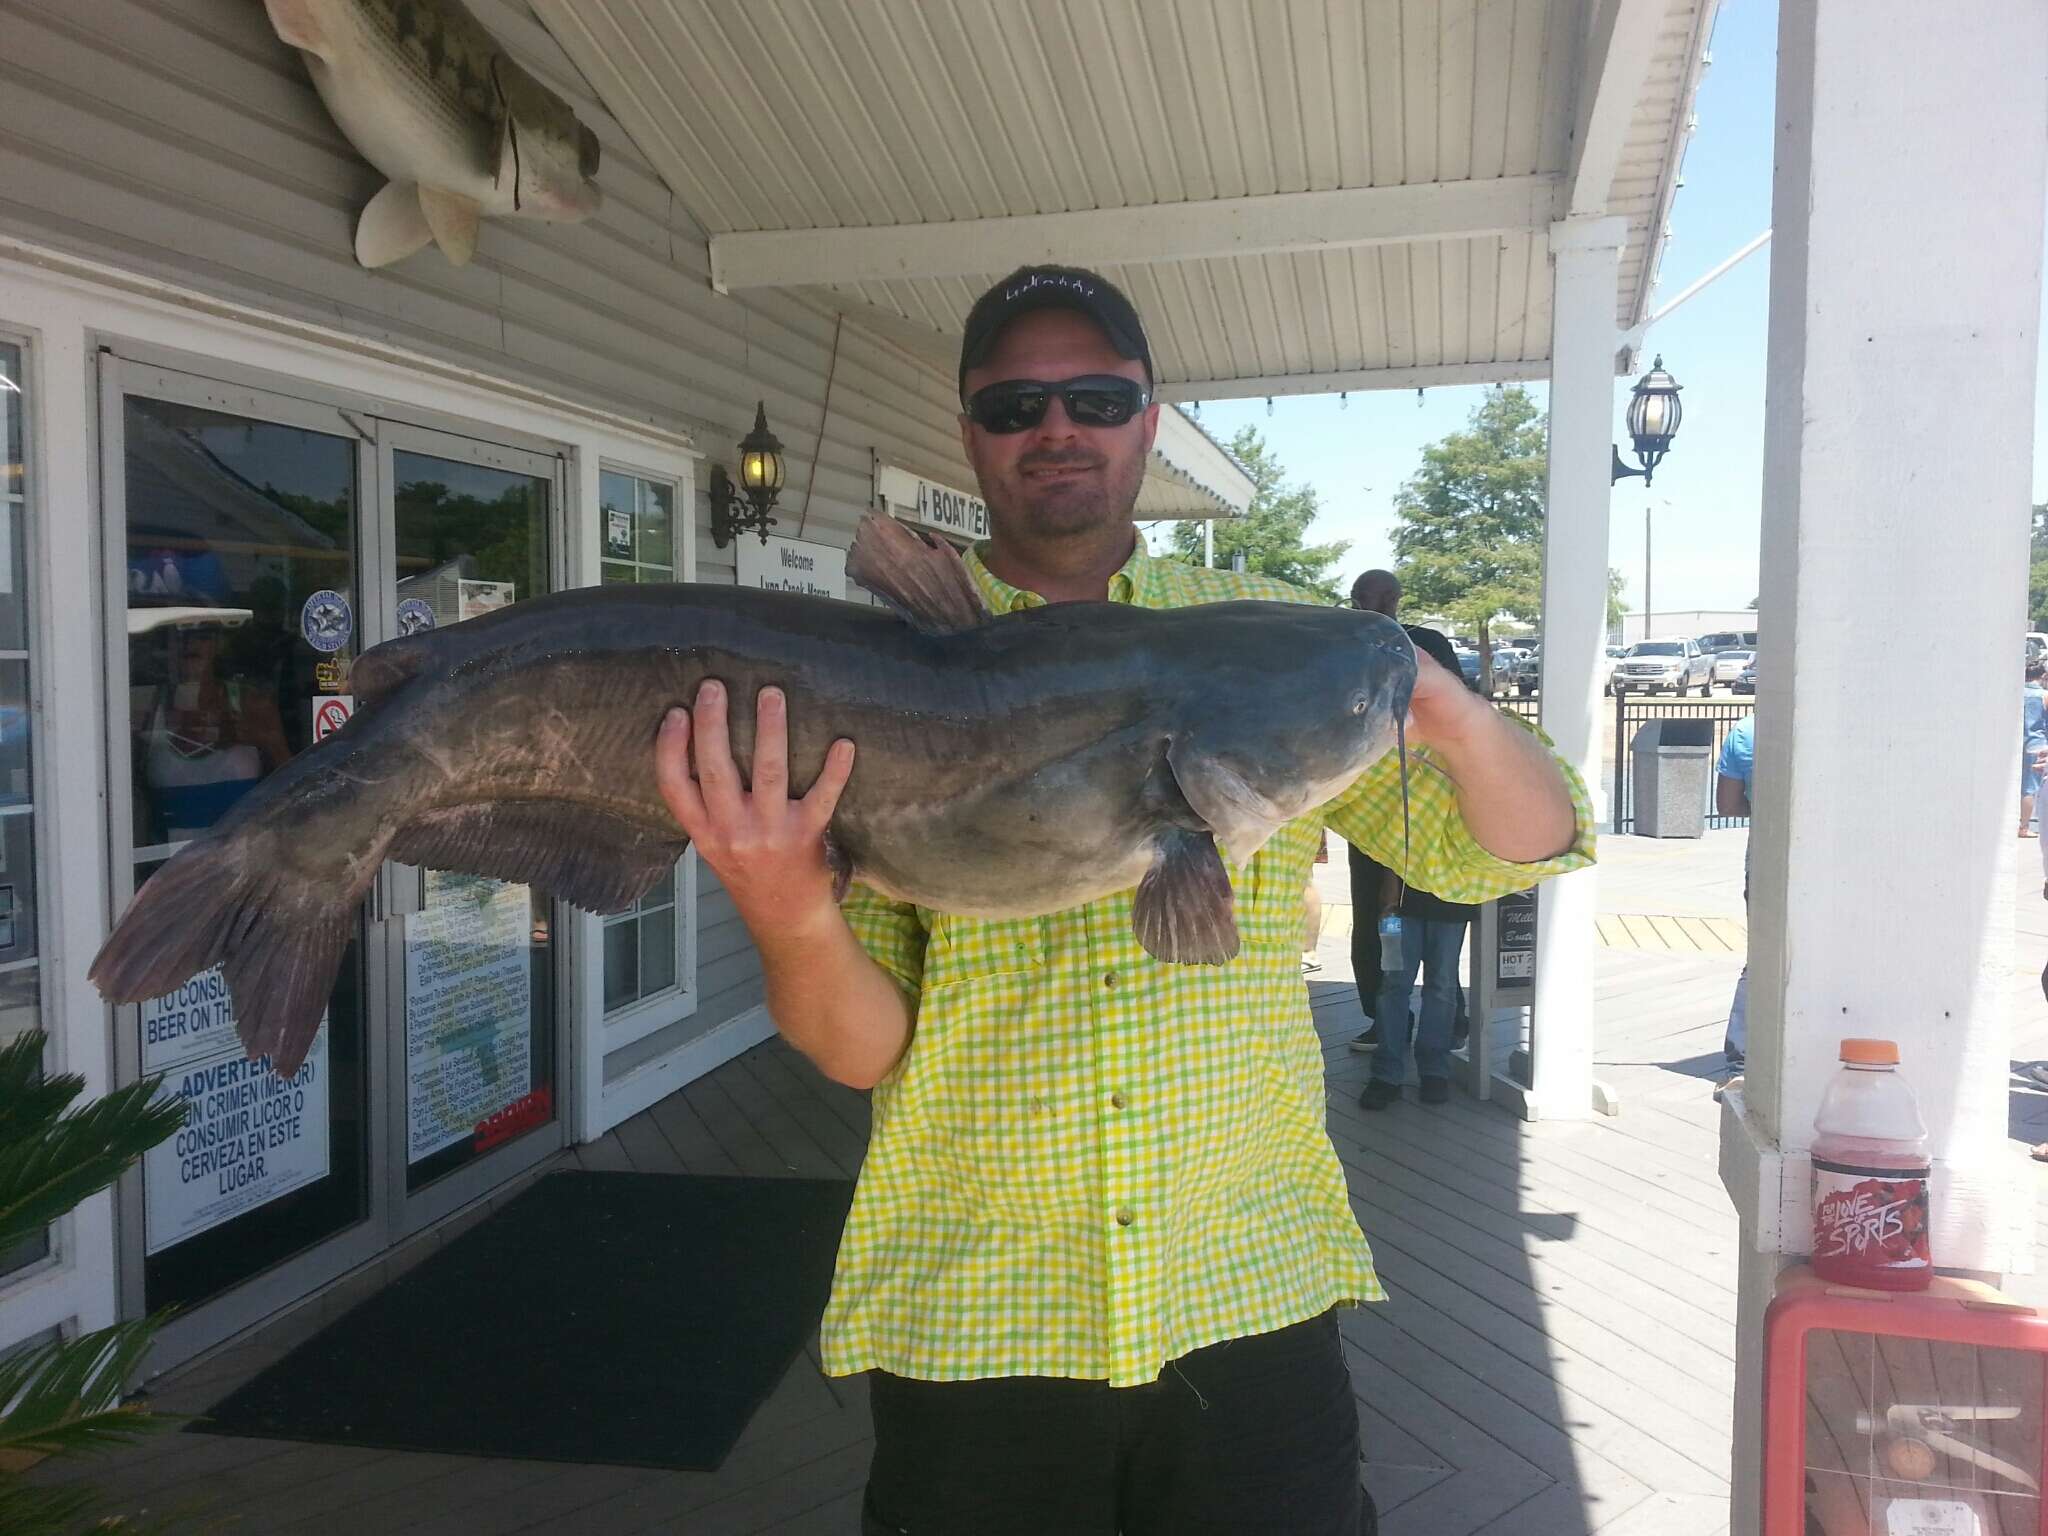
(180, 138)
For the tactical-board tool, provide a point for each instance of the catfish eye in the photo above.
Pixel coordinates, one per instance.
(1360, 703)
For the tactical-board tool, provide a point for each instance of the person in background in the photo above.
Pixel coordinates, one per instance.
(1432, 941)
(1731, 798)
(2033, 742)
(1380, 592)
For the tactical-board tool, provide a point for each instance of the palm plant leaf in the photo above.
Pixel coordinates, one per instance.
(48, 1167)
(37, 1511)
(64, 1396)
(29, 1102)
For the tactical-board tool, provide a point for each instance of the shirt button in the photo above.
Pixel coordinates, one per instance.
(1109, 980)
(1116, 1101)
(1123, 1216)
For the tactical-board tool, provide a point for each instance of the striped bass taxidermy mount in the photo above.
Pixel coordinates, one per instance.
(429, 98)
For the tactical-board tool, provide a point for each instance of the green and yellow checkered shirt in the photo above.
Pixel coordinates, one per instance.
(1089, 1162)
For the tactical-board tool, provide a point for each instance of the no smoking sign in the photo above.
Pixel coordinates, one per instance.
(330, 714)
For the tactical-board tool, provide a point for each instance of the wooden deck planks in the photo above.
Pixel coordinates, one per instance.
(1556, 1360)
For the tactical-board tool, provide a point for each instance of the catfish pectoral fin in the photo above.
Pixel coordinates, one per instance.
(1184, 911)
(589, 857)
(841, 865)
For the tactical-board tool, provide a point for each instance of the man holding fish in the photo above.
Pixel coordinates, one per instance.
(1101, 1231)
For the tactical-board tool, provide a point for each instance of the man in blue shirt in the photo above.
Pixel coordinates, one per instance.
(1731, 798)
(2033, 743)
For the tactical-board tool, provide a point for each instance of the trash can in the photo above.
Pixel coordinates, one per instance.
(1673, 763)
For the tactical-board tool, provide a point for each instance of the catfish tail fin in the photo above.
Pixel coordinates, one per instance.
(277, 935)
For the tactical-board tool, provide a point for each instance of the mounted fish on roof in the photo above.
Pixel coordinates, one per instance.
(427, 96)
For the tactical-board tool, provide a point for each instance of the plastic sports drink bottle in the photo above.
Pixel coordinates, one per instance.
(1870, 1173)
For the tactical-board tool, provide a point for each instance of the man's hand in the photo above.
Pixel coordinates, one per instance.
(827, 997)
(1511, 792)
(766, 849)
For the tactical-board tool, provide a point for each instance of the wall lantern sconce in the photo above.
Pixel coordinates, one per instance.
(1653, 413)
(745, 507)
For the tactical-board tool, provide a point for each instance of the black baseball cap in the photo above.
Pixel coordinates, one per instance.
(1048, 287)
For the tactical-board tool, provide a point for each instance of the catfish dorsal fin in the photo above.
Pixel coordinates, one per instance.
(922, 580)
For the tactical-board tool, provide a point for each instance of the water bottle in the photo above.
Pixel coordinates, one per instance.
(1870, 1174)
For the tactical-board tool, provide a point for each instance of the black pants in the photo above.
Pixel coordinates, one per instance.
(1254, 1437)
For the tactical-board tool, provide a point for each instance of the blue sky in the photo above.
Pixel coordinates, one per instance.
(1706, 502)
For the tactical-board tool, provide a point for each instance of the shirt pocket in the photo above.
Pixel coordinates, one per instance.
(1271, 891)
(962, 949)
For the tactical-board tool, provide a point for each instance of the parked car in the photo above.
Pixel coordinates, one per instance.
(1527, 672)
(1468, 663)
(1728, 665)
(1728, 640)
(1745, 681)
(1608, 659)
(1652, 666)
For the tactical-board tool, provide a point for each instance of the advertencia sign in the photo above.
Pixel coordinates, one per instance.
(248, 1137)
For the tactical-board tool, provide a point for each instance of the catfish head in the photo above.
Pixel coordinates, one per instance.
(1303, 700)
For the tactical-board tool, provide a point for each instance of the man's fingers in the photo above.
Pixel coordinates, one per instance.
(823, 799)
(771, 751)
(672, 772)
(718, 779)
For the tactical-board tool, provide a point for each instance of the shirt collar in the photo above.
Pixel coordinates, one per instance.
(1131, 583)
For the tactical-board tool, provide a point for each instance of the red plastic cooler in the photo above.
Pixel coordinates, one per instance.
(1903, 1413)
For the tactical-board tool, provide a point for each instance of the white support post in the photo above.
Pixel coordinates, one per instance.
(1905, 294)
(1584, 257)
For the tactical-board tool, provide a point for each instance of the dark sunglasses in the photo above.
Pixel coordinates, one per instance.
(1093, 400)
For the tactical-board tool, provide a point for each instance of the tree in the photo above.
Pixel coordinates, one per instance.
(63, 1397)
(1615, 582)
(1470, 544)
(1270, 533)
(2037, 572)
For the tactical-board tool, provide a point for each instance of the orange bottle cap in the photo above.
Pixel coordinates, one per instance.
(1871, 1053)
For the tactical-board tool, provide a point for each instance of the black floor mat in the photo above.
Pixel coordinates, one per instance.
(630, 1318)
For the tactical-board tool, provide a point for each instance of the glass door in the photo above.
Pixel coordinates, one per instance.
(233, 517)
(469, 966)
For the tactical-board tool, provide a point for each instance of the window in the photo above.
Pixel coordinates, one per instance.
(20, 976)
(637, 528)
(643, 945)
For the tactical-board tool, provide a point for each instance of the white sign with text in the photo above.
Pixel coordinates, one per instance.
(915, 499)
(468, 1012)
(791, 565)
(249, 1136)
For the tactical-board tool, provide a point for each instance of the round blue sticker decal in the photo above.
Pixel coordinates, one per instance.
(415, 616)
(327, 621)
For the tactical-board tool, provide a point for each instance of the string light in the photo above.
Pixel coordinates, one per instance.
(1269, 405)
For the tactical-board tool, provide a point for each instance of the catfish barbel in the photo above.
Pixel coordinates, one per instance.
(1005, 766)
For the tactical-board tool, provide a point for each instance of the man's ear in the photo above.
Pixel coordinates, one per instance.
(966, 435)
(1151, 424)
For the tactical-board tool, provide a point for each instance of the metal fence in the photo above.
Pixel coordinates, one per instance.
(1631, 712)
(1634, 710)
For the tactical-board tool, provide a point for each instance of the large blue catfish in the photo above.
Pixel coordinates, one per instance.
(1006, 766)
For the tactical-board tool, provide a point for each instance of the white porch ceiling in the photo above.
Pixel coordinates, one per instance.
(1299, 195)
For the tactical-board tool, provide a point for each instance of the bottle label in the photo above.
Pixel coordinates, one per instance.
(1870, 1218)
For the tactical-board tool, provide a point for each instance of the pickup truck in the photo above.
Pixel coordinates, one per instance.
(1653, 666)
